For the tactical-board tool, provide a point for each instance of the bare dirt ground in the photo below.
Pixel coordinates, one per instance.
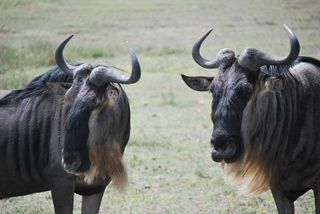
(168, 155)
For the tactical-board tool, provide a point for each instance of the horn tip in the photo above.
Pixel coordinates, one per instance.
(184, 78)
(62, 64)
(289, 31)
(70, 37)
(208, 32)
(286, 27)
(201, 39)
(292, 35)
(129, 45)
(63, 43)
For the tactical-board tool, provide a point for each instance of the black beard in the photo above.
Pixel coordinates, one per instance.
(76, 136)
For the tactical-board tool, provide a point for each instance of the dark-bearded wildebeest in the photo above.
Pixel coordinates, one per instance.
(266, 113)
(66, 137)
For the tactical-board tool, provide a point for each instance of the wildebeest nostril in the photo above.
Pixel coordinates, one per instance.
(220, 146)
(220, 143)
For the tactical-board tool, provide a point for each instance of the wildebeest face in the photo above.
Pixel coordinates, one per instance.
(95, 101)
(83, 98)
(86, 93)
(231, 90)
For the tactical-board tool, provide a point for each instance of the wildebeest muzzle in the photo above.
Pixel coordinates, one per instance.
(226, 148)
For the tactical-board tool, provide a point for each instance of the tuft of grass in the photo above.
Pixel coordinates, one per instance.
(168, 98)
(135, 161)
(92, 52)
(160, 51)
(169, 50)
(33, 55)
(38, 54)
(7, 59)
(4, 29)
(18, 78)
(201, 174)
(19, 65)
(14, 3)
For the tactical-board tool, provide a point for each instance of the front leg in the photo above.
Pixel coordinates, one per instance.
(316, 193)
(91, 203)
(62, 192)
(284, 205)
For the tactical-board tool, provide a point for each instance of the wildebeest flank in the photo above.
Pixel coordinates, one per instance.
(265, 112)
(73, 118)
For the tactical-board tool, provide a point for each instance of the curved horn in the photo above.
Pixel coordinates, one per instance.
(198, 58)
(102, 75)
(62, 64)
(253, 59)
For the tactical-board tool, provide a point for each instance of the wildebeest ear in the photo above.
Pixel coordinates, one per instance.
(58, 87)
(198, 83)
(274, 83)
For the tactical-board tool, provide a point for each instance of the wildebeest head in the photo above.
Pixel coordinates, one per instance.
(232, 89)
(95, 111)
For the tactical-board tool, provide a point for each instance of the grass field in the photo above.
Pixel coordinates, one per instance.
(168, 155)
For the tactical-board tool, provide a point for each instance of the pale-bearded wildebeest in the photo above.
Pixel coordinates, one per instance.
(66, 131)
(266, 113)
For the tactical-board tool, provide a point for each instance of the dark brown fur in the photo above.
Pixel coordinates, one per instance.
(276, 120)
(34, 136)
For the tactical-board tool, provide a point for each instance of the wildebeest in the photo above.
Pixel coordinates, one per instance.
(66, 131)
(266, 113)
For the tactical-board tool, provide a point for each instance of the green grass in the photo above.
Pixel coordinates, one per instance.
(33, 55)
(168, 155)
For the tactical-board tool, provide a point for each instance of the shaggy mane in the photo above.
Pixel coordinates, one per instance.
(37, 86)
(252, 172)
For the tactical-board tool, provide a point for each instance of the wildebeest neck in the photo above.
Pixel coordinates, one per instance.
(273, 128)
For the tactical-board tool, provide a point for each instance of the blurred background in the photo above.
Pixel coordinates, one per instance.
(168, 155)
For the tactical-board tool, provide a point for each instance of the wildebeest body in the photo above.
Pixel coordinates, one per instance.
(265, 112)
(280, 130)
(30, 146)
(25, 144)
(66, 131)
(28, 124)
